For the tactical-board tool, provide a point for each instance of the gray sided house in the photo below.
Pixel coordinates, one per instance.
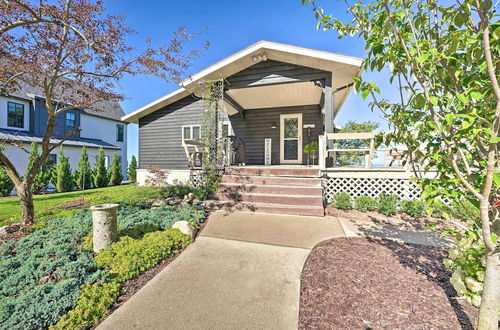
(278, 98)
(23, 118)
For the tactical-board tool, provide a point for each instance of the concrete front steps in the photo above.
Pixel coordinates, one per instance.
(284, 190)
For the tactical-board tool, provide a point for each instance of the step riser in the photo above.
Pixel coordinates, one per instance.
(318, 212)
(238, 188)
(271, 180)
(273, 171)
(276, 199)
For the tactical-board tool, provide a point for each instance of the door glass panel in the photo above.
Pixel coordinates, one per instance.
(291, 127)
(291, 149)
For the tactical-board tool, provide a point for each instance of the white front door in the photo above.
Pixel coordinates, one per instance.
(291, 138)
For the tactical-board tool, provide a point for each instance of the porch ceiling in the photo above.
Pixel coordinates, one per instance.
(274, 96)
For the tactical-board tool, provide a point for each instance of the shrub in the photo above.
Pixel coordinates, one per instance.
(115, 171)
(388, 204)
(342, 201)
(41, 274)
(43, 176)
(132, 170)
(42, 180)
(413, 207)
(467, 263)
(176, 190)
(6, 184)
(128, 257)
(163, 217)
(156, 177)
(91, 307)
(63, 177)
(365, 203)
(100, 175)
(438, 209)
(83, 174)
(464, 210)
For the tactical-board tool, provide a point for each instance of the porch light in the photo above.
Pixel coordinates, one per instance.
(273, 125)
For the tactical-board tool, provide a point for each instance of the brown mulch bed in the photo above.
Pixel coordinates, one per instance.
(401, 220)
(358, 283)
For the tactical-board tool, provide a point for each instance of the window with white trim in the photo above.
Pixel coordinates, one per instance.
(191, 132)
(15, 114)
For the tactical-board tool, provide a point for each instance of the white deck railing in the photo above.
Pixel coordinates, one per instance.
(328, 147)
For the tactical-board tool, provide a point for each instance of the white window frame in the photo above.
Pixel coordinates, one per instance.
(190, 132)
(229, 128)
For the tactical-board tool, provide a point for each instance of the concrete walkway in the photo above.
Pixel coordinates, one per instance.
(242, 272)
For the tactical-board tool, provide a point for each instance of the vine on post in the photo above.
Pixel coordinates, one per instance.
(213, 157)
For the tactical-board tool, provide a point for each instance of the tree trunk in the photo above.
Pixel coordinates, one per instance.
(27, 207)
(490, 302)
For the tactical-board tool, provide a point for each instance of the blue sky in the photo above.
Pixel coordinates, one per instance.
(232, 26)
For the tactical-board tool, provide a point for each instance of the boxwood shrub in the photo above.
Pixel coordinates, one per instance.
(388, 204)
(413, 207)
(365, 203)
(342, 201)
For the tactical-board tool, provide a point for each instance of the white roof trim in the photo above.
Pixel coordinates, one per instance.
(151, 107)
(181, 92)
(329, 56)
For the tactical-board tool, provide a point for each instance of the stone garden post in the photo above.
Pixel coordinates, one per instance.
(104, 223)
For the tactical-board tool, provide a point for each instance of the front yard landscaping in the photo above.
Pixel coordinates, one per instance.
(51, 278)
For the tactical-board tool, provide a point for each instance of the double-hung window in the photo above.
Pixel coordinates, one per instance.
(119, 133)
(15, 115)
(191, 132)
(70, 119)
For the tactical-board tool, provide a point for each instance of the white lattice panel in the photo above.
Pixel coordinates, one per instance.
(373, 187)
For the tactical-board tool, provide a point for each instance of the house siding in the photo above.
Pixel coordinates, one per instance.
(257, 127)
(274, 72)
(160, 134)
(40, 117)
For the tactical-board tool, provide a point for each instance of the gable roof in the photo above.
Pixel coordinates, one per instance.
(343, 68)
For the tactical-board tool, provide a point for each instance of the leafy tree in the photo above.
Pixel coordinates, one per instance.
(6, 184)
(132, 170)
(445, 57)
(349, 158)
(100, 175)
(42, 178)
(115, 171)
(62, 46)
(63, 176)
(83, 174)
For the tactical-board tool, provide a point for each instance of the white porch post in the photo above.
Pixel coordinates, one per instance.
(322, 152)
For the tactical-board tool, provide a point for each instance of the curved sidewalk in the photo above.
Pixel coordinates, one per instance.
(242, 272)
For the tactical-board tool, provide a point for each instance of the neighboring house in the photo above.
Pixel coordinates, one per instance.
(274, 91)
(23, 118)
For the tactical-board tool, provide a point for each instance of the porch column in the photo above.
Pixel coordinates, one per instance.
(328, 106)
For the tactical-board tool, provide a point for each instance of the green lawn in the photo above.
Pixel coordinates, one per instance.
(51, 205)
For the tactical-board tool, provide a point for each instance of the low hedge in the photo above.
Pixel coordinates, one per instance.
(125, 260)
